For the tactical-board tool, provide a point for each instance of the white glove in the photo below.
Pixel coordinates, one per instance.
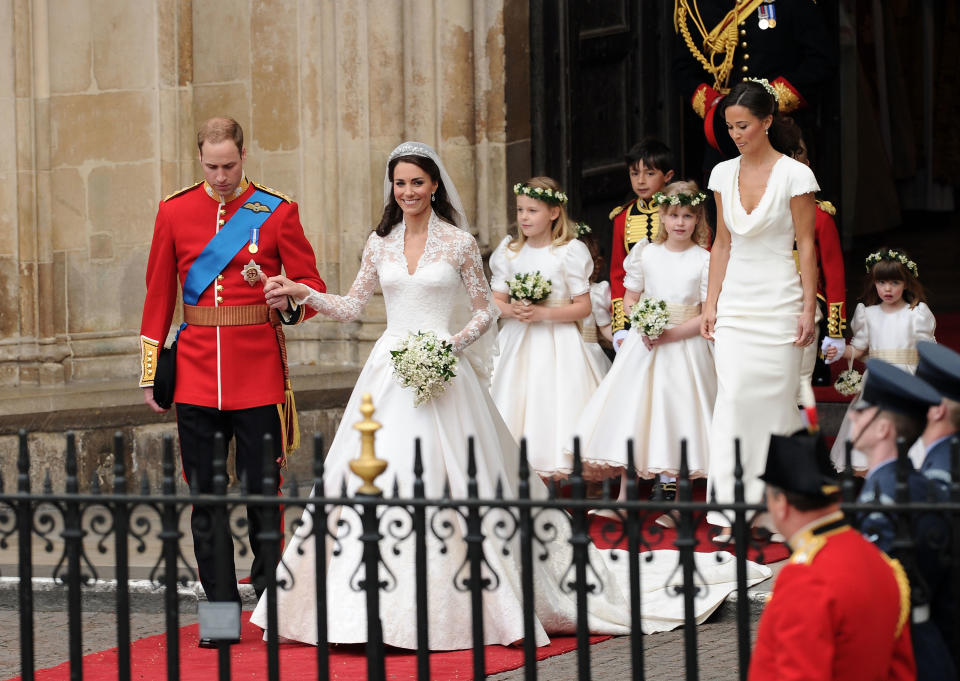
(837, 343)
(619, 337)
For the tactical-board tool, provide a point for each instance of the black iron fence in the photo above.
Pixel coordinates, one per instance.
(79, 525)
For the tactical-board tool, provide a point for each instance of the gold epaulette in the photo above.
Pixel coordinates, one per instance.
(183, 190)
(616, 211)
(903, 584)
(808, 546)
(268, 190)
(827, 207)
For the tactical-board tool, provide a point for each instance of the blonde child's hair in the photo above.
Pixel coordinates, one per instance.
(702, 232)
(563, 229)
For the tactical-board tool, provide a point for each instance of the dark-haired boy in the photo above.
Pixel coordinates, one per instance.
(650, 164)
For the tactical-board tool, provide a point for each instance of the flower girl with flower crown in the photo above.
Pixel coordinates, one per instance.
(887, 325)
(661, 389)
(543, 376)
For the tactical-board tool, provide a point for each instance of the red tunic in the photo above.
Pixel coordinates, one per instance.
(631, 223)
(840, 610)
(225, 367)
(831, 285)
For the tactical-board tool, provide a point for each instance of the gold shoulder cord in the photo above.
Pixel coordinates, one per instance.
(715, 43)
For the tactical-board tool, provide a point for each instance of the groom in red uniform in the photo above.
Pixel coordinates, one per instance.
(840, 608)
(215, 238)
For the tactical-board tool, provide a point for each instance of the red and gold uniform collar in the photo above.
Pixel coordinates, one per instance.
(215, 195)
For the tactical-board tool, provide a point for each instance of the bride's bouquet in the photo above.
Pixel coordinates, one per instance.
(425, 363)
(848, 382)
(649, 317)
(529, 287)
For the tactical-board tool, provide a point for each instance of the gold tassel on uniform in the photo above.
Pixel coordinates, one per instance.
(289, 421)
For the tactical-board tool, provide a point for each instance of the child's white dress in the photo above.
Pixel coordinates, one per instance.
(599, 316)
(543, 375)
(892, 337)
(656, 397)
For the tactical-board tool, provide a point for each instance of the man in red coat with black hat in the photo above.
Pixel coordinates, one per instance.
(216, 239)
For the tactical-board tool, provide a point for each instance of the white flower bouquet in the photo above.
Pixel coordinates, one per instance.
(848, 382)
(425, 363)
(649, 317)
(529, 287)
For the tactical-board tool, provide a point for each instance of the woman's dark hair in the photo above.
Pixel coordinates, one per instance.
(393, 214)
(892, 270)
(754, 97)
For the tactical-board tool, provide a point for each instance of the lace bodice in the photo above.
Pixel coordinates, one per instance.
(430, 298)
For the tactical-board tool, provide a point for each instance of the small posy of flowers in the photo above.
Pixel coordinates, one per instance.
(848, 382)
(661, 199)
(894, 255)
(582, 229)
(772, 91)
(425, 363)
(649, 317)
(529, 287)
(545, 194)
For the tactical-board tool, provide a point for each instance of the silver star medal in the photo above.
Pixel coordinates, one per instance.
(251, 273)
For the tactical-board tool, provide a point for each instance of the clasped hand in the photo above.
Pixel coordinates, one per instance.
(278, 290)
(526, 312)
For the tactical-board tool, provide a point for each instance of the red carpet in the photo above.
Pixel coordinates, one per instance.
(248, 660)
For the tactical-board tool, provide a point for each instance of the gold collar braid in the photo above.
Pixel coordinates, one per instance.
(719, 42)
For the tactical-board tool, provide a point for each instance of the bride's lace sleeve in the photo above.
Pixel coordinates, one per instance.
(485, 311)
(349, 307)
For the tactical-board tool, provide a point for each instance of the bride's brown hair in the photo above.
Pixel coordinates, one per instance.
(393, 214)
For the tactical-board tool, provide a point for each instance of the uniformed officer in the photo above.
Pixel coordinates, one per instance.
(893, 405)
(720, 42)
(940, 367)
(840, 607)
(215, 238)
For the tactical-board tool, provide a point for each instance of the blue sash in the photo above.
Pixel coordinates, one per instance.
(218, 253)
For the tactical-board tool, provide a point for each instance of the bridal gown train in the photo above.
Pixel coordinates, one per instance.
(427, 300)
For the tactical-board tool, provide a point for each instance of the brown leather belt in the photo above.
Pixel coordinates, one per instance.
(230, 315)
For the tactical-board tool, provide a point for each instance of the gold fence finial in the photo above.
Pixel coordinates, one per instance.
(367, 465)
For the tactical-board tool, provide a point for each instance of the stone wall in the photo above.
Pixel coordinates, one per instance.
(99, 104)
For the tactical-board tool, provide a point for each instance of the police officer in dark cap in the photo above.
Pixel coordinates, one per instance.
(838, 597)
(893, 407)
(940, 367)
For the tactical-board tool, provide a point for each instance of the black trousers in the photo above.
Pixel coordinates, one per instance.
(197, 427)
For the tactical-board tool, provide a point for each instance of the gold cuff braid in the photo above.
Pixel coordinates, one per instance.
(619, 320)
(149, 350)
(836, 323)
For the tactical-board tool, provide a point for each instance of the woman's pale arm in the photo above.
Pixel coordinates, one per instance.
(341, 308)
(803, 208)
(719, 256)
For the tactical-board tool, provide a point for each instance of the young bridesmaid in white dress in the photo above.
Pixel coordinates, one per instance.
(887, 325)
(659, 391)
(543, 376)
(597, 325)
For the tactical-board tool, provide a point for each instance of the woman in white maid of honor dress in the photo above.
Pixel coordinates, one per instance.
(430, 271)
(759, 309)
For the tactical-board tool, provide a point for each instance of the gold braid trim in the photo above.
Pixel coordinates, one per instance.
(720, 41)
(700, 102)
(787, 101)
(903, 584)
(619, 320)
(836, 323)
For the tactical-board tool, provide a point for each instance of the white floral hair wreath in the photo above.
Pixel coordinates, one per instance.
(772, 91)
(681, 199)
(894, 256)
(547, 195)
(582, 229)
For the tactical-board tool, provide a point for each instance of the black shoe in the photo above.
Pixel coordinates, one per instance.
(669, 490)
(210, 643)
(821, 374)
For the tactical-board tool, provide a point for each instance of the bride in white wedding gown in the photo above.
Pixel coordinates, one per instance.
(430, 271)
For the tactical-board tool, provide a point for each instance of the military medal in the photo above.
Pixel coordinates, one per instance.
(766, 16)
(251, 271)
(254, 240)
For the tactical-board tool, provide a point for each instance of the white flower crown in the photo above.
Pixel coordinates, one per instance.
(661, 199)
(893, 255)
(556, 198)
(582, 228)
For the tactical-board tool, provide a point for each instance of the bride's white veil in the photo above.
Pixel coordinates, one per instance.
(480, 354)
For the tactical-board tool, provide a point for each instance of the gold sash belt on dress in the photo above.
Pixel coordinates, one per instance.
(229, 315)
(556, 302)
(681, 313)
(589, 334)
(897, 355)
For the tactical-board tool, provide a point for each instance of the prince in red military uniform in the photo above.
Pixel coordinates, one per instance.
(231, 364)
(840, 608)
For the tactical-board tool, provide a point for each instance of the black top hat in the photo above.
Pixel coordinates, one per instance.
(893, 389)
(800, 463)
(940, 367)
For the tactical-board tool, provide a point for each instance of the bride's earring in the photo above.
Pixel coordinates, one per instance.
(433, 197)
